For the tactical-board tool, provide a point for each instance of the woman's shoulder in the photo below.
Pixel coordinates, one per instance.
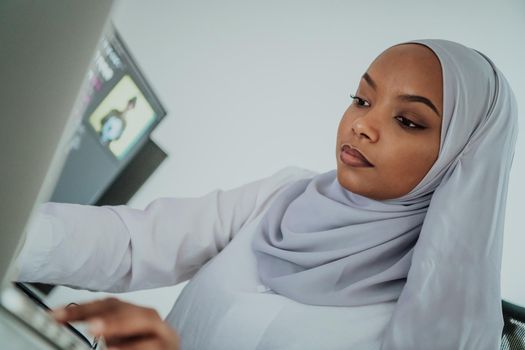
(278, 180)
(289, 174)
(293, 173)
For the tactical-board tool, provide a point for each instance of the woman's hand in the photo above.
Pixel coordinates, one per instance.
(124, 326)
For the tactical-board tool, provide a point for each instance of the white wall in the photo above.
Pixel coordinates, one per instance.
(251, 87)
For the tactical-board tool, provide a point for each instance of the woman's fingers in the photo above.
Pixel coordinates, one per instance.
(85, 311)
(122, 324)
(133, 327)
(126, 321)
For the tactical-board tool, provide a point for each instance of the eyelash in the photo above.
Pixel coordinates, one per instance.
(401, 123)
(359, 99)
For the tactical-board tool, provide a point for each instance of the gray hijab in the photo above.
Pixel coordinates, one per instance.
(436, 250)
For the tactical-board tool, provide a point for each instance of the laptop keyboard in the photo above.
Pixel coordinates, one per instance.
(41, 322)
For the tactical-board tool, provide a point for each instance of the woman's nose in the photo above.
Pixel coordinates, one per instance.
(363, 127)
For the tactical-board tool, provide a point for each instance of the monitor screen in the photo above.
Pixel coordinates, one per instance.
(120, 107)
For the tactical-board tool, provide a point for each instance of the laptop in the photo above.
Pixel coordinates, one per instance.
(46, 48)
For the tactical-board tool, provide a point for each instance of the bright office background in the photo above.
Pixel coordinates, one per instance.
(253, 86)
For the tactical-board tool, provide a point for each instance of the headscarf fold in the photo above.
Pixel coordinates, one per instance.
(436, 250)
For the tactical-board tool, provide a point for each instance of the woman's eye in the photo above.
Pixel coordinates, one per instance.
(359, 101)
(407, 123)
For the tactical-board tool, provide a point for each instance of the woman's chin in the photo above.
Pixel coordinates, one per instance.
(355, 183)
(348, 180)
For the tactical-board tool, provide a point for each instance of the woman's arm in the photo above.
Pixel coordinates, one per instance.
(118, 248)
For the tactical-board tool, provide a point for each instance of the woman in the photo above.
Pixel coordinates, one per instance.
(398, 248)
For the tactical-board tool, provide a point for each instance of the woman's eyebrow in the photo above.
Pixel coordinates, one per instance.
(369, 80)
(408, 98)
(416, 98)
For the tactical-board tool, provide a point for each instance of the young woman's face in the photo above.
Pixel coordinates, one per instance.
(394, 121)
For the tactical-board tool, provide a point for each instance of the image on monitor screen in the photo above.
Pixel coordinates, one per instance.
(122, 117)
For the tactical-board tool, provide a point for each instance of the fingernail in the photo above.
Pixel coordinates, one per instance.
(59, 314)
(96, 326)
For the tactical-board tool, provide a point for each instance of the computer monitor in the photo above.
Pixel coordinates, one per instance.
(122, 107)
(46, 48)
(121, 110)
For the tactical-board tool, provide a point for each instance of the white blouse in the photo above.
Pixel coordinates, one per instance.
(207, 239)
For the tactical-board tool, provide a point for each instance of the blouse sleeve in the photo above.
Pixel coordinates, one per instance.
(119, 249)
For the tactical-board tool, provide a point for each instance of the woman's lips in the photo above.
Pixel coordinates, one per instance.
(351, 156)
